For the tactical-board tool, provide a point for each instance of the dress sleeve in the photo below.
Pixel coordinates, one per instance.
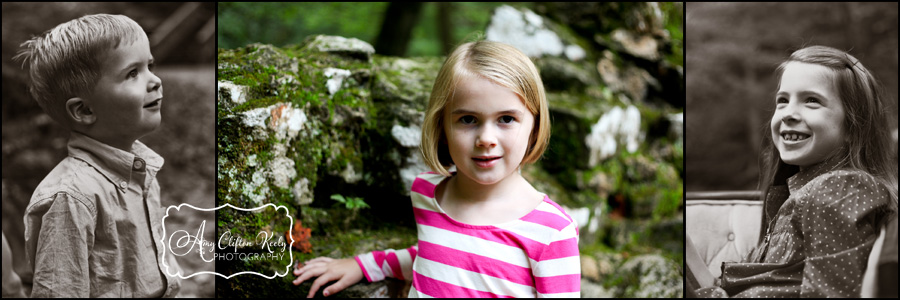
(61, 236)
(838, 223)
(557, 272)
(377, 265)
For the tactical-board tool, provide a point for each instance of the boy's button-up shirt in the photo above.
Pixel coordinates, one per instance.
(93, 226)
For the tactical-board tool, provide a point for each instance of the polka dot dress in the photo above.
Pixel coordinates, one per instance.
(819, 241)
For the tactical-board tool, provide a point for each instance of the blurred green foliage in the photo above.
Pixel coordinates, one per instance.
(282, 24)
(674, 23)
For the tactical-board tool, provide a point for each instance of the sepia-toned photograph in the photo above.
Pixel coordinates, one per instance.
(108, 122)
(791, 150)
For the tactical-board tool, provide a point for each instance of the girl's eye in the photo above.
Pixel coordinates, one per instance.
(467, 120)
(507, 119)
(780, 100)
(132, 74)
(813, 100)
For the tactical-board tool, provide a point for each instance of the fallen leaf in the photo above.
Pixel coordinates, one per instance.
(301, 237)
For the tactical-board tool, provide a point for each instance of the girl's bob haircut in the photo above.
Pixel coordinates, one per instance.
(500, 63)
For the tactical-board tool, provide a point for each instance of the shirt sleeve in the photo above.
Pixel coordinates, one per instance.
(557, 272)
(377, 265)
(838, 223)
(60, 235)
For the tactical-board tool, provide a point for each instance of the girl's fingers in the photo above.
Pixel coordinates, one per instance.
(309, 265)
(311, 272)
(320, 259)
(338, 286)
(318, 283)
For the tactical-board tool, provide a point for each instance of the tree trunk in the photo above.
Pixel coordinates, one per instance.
(445, 26)
(396, 28)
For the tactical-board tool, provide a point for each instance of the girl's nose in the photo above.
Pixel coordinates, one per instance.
(790, 116)
(485, 138)
(790, 113)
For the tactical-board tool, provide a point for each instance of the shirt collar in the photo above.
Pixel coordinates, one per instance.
(796, 182)
(115, 164)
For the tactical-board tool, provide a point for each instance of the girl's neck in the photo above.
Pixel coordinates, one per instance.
(465, 189)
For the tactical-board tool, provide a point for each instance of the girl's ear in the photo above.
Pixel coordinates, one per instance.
(79, 111)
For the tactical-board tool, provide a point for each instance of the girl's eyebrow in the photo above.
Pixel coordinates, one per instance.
(461, 111)
(802, 93)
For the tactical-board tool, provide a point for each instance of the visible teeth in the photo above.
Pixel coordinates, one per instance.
(794, 136)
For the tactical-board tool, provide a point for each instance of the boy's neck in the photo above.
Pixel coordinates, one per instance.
(124, 144)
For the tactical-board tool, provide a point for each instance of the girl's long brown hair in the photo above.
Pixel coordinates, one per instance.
(869, 145)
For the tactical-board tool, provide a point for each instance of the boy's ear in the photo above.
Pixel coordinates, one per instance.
(79, 111)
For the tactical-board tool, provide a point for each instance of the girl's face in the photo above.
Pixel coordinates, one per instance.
(807, 126)
(487, 128)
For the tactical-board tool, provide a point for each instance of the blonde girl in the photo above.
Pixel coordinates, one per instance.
(483, 230)
(828, 180)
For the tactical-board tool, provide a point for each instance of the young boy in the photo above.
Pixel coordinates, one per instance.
(93, 225)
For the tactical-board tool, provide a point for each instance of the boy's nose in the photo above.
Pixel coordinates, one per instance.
(154, 84)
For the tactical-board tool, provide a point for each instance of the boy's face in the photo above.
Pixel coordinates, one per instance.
(487, 128)
(128, 96)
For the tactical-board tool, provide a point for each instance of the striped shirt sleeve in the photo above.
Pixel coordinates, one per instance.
(377, 265)
(557, 271)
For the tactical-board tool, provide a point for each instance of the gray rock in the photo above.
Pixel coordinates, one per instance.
(593, 290)
(589, 268)
(658, 276)
(268, 55)
(643, 46)
(528, 32)
(302, 194)
(562, 75)
(351, 47)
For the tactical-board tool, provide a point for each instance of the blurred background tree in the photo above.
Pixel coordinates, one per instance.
(734, 50)
(182, 42)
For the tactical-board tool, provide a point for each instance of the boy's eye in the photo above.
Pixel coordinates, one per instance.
(150, 66)
(467, 120)
(780, 100)
(133, 73)
(507, 119)
(812, 100)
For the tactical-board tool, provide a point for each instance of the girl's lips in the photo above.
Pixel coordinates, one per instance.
(486, 161)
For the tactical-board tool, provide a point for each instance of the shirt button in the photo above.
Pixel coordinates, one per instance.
(138, 164)
(123, 184)
(731, 236)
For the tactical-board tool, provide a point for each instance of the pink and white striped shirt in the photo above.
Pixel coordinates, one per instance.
(534, 256)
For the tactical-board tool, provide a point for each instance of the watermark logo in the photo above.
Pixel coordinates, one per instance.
(229, 247)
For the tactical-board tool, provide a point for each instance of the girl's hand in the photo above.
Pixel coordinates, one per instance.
(345, 271)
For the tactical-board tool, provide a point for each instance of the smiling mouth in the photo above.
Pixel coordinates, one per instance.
(794, 137)
(486, 159)
(155, 103)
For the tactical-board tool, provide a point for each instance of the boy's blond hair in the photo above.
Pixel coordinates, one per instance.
(502, 64)
(65, 61)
